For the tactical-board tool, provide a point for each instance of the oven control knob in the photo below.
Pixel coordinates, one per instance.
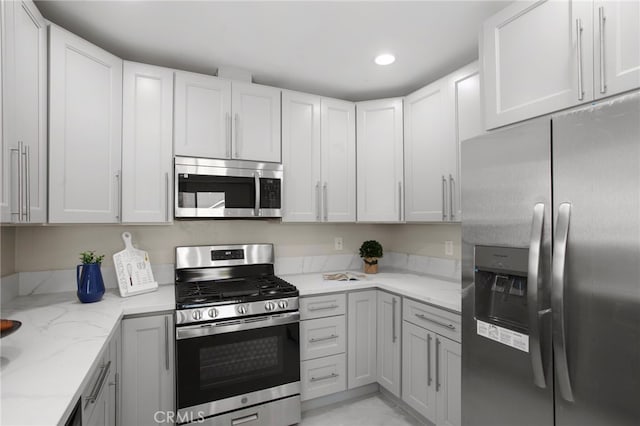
(242, 309)
(213, 312)
(196, 315)
(269, 306)
(283, 304)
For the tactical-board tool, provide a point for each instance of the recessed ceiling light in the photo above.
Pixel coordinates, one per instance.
(385, 59)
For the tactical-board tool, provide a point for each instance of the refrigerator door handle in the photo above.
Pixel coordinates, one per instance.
(557, 301)
(533, 295)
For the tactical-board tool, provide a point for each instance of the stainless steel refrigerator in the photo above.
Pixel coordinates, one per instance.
(551, 270)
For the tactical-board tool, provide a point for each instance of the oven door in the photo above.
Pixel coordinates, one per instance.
(227, 188)
(234, 364)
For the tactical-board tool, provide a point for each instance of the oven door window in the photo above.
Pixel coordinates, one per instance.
(216, 192)
(229, 364)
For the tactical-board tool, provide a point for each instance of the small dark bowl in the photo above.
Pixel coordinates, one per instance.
(8, 326)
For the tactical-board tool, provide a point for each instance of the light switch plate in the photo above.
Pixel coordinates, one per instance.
(448, 248)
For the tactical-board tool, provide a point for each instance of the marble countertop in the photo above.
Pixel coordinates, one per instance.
(438, 292)
(45, 365)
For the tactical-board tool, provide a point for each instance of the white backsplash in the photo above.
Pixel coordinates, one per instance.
(65, 280)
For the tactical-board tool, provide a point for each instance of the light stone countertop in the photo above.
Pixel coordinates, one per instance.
(45, 365)
(438, 292)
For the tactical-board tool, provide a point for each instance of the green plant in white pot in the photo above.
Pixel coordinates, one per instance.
(370, 252)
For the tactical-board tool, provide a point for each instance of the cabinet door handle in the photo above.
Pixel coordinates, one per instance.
(329, 376)
(437, 364)
(423, 317)
(601, 19)
(322, 339)
(18, 152)
(97, 387)
(227, 122)
(324, 202)
(393, 320)
(117, 200)
(451, 211)
(429, 378)
(166, 343)
(400, 201)
(27, 192)
(237, 135)
(579, 53)
(444, 203)
(318, 201)
(166, 185)
(322, 308)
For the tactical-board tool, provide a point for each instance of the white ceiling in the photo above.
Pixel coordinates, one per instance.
(319, 47)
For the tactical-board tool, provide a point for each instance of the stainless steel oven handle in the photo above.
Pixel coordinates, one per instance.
(245, 419)
(329, 376)
(256, 178)
(222, 327)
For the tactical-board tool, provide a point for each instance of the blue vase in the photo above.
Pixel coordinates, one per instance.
(90, 283)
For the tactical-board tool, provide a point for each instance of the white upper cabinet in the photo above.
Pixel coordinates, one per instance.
(256, 122)
(338, 164)
(23, 192)
(218, 118)
(380, 186)
(468, 122)
(430, 153)
(536, 58)
(301, 156)
(616, 47)
(202, 116)
(85, 131)
(147, 160)
(318, 144)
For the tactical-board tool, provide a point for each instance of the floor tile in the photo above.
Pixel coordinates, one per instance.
(368, 411)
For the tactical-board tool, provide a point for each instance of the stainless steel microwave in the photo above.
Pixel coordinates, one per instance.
(208, 188)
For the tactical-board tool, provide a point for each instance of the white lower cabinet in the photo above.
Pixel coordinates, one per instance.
(389, 337)
(361, 346)
(431, 362)
(323, 338)
(323, 376)
(100, 405)
(148, 368)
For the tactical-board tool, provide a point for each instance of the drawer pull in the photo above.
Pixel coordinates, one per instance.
(99, 384)
(245, 419)
(449, 326)
(330, 376)
(322, 339)
(323, 308)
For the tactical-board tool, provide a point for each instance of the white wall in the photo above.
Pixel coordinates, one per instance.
(41, 248)
(7, 246)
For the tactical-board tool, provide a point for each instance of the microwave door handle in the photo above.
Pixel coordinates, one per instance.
(256, 178)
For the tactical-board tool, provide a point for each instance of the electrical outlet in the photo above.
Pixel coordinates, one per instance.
(337, 243)
(448, 248)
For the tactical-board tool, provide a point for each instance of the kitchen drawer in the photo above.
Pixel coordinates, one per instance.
(323, 376)
(323, 306)
(282, 412)
(322, 337)
(443, 322)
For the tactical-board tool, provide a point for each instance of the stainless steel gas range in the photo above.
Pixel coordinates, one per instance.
(237, 338)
